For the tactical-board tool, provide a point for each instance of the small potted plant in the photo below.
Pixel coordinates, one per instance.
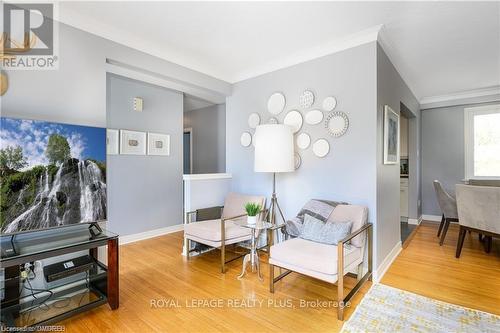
(252, 210)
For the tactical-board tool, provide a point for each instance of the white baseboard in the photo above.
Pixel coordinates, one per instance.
(415, 221)
(386, 263)
(150, 234)
(435, 218)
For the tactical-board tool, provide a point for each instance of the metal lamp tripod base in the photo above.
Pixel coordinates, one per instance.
(274, 204)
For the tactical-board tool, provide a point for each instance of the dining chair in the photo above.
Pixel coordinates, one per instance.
(479, 211)
(448, 205)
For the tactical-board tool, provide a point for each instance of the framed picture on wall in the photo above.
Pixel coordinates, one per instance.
(112, 142)
(132, 142)
(391, 136)
(158, 144)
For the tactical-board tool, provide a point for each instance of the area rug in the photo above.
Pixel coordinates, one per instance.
(387, 309)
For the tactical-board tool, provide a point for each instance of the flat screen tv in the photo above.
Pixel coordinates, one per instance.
(51, 175)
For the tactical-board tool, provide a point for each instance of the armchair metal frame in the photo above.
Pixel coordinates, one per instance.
(340, 270)
(222, 248)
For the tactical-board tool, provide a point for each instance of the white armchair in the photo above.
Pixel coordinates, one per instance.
(479, 211)
(223, 231)
(328, 262)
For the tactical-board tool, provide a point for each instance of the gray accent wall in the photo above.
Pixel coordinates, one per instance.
(209, 138)
(348, 172)
(144, 192)
(442, 151)
(392, 91)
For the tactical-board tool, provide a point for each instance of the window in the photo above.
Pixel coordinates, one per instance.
(482, 142)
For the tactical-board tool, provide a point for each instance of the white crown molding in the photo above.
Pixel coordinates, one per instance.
(98, 28)
(458, 98)
(334, 46)
(74, 19)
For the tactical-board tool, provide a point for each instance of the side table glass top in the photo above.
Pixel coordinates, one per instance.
(259, 225)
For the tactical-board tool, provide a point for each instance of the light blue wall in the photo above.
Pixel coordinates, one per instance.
(392, 90)
(144, 192)
(442, 151)
(348, 172)
(209, 138)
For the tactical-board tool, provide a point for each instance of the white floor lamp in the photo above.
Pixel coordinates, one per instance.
(274, 152)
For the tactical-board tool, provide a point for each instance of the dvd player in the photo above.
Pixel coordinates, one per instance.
(67, 268)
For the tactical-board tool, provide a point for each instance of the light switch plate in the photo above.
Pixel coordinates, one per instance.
(138, 104)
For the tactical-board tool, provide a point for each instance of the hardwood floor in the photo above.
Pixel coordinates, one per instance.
(428, 269)
(153, 270)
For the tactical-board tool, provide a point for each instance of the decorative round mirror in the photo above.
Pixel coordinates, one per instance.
(303, 141)
(273, 121)
(294, 120)
(276, 103)
(306, 99)
(314, 117)
(321, 148)
(253, 120)
(246, 139)
(297, 161)
(329, 103)
(337, 123)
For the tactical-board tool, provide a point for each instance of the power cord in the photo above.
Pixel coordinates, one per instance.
(29, 274)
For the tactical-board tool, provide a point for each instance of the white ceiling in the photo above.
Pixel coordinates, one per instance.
(439, 47)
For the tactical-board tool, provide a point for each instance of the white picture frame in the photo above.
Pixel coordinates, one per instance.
(132, 142)
(112, 141)
(158, 144)
(391, 136)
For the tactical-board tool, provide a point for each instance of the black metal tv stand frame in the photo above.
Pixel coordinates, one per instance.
(98, 286)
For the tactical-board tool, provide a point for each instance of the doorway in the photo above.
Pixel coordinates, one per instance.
(408, 225)
(188, 151)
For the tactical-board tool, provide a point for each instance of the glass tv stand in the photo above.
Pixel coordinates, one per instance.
(30, 300)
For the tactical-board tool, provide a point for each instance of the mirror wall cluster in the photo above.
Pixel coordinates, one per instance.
(336, 123)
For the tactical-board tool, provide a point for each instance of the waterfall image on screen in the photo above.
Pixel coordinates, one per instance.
(51, 174)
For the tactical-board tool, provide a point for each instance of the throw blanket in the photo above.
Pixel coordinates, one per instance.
(320, 209)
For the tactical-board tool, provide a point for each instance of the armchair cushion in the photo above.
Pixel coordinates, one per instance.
(234, 204)
(308, 256)
(321, 232)
(211, 230)
(358, 215)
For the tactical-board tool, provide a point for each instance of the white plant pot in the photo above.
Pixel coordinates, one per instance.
(252, 219)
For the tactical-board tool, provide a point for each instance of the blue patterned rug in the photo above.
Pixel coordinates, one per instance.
(387, 309)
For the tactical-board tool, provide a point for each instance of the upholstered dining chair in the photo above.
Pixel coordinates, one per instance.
(327, 262)
(223, 231)
(478, 210)
(448, 206)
